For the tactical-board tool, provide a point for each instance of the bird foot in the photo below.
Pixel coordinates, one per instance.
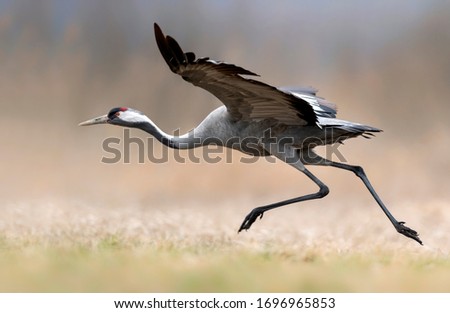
(408, 232)
(251, 218)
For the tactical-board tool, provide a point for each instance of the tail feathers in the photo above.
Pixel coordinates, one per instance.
(345, 132)
(359, 128)
(342, 130)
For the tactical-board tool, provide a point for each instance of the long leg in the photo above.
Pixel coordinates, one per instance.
(314, 159)
(259, 211)
(293, 158)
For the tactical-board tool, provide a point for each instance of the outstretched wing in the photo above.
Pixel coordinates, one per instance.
(245, 99)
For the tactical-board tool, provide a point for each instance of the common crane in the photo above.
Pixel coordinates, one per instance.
(283, 122)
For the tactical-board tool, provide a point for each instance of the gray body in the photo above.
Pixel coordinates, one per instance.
(221, 126)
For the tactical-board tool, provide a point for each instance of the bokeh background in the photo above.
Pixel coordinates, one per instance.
(384, 63)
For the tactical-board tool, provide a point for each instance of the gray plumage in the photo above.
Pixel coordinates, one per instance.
(256, 119)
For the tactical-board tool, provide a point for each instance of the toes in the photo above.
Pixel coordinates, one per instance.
(245, 224)
(408, 232)
(249, 220)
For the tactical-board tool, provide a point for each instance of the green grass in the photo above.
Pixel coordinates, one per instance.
(116, 264)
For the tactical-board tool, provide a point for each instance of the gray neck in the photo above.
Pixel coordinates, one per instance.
(186, 141)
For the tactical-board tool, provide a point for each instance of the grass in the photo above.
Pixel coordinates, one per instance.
(50, 246)
(115, 264)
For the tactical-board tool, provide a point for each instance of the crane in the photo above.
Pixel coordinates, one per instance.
(256, 119)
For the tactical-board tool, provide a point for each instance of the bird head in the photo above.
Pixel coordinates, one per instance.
(119, 116)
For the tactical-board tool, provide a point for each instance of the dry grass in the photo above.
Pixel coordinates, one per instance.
(74, 248)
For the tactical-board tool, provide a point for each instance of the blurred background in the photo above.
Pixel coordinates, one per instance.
(384, 63)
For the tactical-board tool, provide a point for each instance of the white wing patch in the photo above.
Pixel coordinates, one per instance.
(310, 99)
(321, 107)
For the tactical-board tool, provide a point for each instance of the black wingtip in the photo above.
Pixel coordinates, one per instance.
(159, 36)
(176, 50)
(171, 50)
(175, 57)
(165, 49)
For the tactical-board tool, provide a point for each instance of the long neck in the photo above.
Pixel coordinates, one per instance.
(186, 141)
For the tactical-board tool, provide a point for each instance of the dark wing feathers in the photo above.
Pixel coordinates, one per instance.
(245, 99)
(190, 57)
(165, 50)
(177, 51)
(322, 107)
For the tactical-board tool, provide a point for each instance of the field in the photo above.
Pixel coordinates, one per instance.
(191, 250)
(70, 222)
